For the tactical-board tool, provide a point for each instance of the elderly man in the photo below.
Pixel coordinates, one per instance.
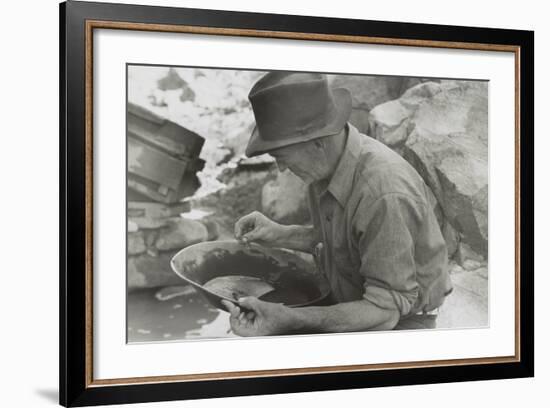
(374, 231)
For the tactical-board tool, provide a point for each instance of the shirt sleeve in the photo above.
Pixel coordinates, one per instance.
(387, 229)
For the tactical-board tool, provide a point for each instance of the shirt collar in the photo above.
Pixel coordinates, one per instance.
(340, 185)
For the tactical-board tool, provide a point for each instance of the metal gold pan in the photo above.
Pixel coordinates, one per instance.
(296, 282)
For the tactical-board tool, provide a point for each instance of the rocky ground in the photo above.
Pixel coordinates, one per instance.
(467, 306)
(440, 127)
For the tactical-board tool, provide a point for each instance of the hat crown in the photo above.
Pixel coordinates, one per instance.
(287, 104)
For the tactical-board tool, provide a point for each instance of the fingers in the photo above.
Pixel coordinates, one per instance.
(254, 235)
(246, 315)
(256, 227)
(233, 310)
(251, 303)
(243, 318)
(228, 305)
(238, 316)
(245, 224)
(252, 227)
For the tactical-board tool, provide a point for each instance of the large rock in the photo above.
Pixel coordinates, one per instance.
(441, 129)
(136, 243)
(467, 258)
(452, 238)
(370, 91)
(285, 199)
(147, 271)
(391, 122)
(181, 233)
(448, 144)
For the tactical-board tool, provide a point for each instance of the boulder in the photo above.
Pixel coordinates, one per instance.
(447, 144)
(452, 238)
(466, 257)
(136, 243)
(463, 196)
(146, 271)
(369, 91)
(180, 233)
(390, 122)
(142, 223)
(212, 227)
(441, 129)
(132, 226)
(284, 199)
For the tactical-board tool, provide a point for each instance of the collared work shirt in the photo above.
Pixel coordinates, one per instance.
(381, 239)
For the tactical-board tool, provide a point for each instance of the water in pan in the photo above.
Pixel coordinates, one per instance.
(291, 285)
(236, 286)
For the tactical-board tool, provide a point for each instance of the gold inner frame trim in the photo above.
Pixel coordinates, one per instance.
(99, 24)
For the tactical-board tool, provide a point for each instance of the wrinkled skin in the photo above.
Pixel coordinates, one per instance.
(253, 317)
(256, 227)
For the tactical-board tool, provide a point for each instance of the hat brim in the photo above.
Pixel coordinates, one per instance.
(342, 100)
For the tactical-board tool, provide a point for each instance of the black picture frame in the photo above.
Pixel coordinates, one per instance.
(77, 388)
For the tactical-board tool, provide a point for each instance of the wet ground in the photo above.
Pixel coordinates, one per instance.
(186, 316)
(180, 313)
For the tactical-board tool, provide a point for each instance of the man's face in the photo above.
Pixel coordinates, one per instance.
(305, 160)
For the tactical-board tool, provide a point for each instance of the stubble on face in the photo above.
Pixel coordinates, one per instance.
(305, 160)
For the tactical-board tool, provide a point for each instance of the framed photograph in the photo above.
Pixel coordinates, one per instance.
(257, 204)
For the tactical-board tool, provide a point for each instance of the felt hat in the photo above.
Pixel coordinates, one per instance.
(292, 108)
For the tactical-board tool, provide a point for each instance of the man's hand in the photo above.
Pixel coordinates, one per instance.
(254, 317)
(256, 227)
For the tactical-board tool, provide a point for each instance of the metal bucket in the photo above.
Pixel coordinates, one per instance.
(297, 283)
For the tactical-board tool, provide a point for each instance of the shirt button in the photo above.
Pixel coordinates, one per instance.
(328, 217)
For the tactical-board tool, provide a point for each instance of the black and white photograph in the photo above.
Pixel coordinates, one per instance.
(265, 203)
(274, 204)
